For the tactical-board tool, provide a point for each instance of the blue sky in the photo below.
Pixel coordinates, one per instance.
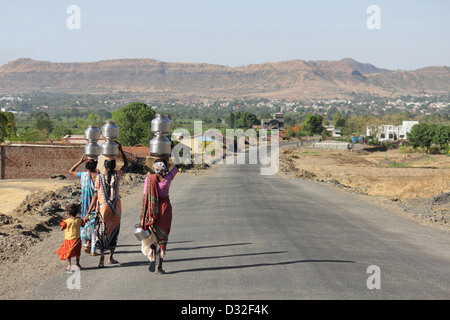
(413, 34)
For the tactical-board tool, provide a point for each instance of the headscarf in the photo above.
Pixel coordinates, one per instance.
(159, 167)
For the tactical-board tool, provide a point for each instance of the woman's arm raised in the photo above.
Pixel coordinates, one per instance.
(72, 170)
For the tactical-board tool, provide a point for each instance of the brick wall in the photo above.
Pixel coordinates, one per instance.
(38, 161)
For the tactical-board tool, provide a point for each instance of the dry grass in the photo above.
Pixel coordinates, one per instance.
(388, 173)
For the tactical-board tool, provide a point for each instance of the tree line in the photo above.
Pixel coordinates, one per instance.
(7, 125)
(135, 119)
(428, 136)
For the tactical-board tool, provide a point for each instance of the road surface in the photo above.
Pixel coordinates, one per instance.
(239, 235)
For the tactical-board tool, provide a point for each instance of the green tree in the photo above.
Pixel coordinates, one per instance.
(43, 123)
(339, 122)
(11, 129)
(230, 120)
(3, 125)
(313, 124)
(59, 132)
(441, 136)
(246, 120)
(421, 135)
(134, 122)
(96, 119)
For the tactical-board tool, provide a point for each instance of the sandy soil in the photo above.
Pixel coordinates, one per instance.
(33, 252)
(387, 173)
(14, 191)
(415, 185)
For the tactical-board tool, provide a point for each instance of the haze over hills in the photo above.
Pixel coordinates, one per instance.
(286, 79)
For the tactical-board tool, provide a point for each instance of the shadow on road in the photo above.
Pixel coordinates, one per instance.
(226, 256)
(210, 246)
(219, 268)
(230, 267)
(176, 249)
(268, 264)
(145, 262)
(137, 263)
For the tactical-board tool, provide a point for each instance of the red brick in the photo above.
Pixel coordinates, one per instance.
(38, 161)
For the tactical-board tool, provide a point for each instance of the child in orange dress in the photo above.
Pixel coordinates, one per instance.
(72, 239)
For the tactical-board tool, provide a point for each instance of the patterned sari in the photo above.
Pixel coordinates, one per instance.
(109, 210)
(157, 215)
(87, 192)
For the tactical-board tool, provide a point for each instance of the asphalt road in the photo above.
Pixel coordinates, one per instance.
(239, 235)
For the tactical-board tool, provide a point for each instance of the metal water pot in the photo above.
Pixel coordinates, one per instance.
(141, 234)
(92, 149)
(161, 124)
(92, 133)
(160, 144)
(110, 148)
(110, 130)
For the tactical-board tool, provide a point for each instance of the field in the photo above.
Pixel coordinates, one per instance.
(389, 173)
(415, 184)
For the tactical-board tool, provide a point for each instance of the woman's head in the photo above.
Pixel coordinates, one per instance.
(110, 165)
(160, 167)
(91, 165)
(72, 210)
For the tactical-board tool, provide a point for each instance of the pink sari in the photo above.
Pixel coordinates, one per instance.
(157, 215)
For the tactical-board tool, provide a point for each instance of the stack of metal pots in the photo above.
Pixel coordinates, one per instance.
(161, 144)
(110, 131)
(92, 149)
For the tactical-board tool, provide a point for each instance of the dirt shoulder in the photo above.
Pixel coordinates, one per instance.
(31, 212)
(415, 186)
(29, 233)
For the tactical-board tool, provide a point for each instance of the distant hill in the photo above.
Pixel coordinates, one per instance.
(429, 78)
(287, 79)
(364, 68)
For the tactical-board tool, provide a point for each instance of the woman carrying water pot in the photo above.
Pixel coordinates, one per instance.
(108, 206)
(156, 214)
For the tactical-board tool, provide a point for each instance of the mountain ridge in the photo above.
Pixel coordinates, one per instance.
(283, 79)
(364, 68)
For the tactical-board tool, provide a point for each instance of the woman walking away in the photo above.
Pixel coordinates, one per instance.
(157, 213)
(72, 241)
(106, 200)
(87, 192)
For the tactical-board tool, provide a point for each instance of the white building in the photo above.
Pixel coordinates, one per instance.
(334, 132)
(389, 132)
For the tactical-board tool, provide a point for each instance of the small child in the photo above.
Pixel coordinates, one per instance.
(72, 240)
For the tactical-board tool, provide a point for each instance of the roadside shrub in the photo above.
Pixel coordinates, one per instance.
(396, 164)
(406, 149)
